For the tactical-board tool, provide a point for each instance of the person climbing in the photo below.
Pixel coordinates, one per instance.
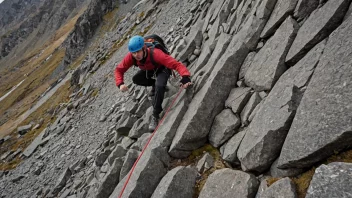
(156, 66)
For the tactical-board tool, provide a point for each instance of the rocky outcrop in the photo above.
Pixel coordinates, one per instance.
(331, 180)
(226, 183)
(39, 17)
(265, 116)
(267, 132)
(319, 114)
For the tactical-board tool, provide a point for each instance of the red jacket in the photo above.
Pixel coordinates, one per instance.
(159, 57)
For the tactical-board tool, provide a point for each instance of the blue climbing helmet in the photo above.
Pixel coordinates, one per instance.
(136, 43)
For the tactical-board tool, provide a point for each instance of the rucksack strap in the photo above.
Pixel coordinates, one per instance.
(152, 56)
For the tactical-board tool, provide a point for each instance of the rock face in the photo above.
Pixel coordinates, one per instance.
(332, 180)
(263, 114)
(192, 132)
(282, 188)
(178, 182)
(268, 63)
(225, 183)
(322, 123)
(279, 14)
(84, 30)
(304, 8)
(317, 27)
(267, 132)
(39, 17)
(224, 127)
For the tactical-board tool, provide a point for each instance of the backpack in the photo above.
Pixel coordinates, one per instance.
(154, 41)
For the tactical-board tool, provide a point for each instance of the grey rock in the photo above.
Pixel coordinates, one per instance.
(141, 142)
(319, 114)
(24, 129)
(226, 183)
(194, 127)
(279, 14)
(238, 99)
(332, 180)
(144, 104)
(225, 125)
(61, 182)
(140, 127)
(17, 178)
(304, 8)
(268, 64)
(101, 157)
(260, 46)
(110, 180)
(166, 132)
(118, 152)
(179, 182)
(348, 13)
(262, 187)
(246, 64)
(127, 120)
(209, 58)
(280, 173)
(268, 130)
(212, 12)
(205, 163)
(147, 174)
(256, 110)
(250, 106)
(229, 150)
(282, 188)
(255, 22)
(130, 158)
(197, 52)
(317, 27)
(127, 142)
(195, 39)
(34, 145)
(188, 22)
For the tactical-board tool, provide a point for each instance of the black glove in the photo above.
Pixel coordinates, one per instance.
(185, 80)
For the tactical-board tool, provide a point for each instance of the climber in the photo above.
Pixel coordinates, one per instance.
(155, 67)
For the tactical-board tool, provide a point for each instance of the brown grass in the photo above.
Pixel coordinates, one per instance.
(302, 181)
(193, 160)
(61, 96)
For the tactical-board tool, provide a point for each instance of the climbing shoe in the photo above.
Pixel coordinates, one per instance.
(153, 123)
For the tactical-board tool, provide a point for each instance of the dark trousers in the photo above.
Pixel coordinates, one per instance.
(146, 78)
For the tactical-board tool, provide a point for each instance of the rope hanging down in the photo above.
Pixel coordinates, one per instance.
(145, 147)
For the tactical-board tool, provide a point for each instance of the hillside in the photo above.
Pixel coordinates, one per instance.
(268, 114)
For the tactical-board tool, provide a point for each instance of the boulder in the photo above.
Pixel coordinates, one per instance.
(322, 123)
(304, 8)
(226, 183)
(205, 163)
(229, 150)
(225, 125)
(238, 99)
(268, 63)
(130, 158)
(269, 127)
(146, 176)
(316, 28)
(332, 180)
(194, 127)
(282, 188)
(110, 180)
(179, 182)
(281, 11)
(250, 106)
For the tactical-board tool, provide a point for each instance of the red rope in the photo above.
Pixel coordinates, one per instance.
(145, 147)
